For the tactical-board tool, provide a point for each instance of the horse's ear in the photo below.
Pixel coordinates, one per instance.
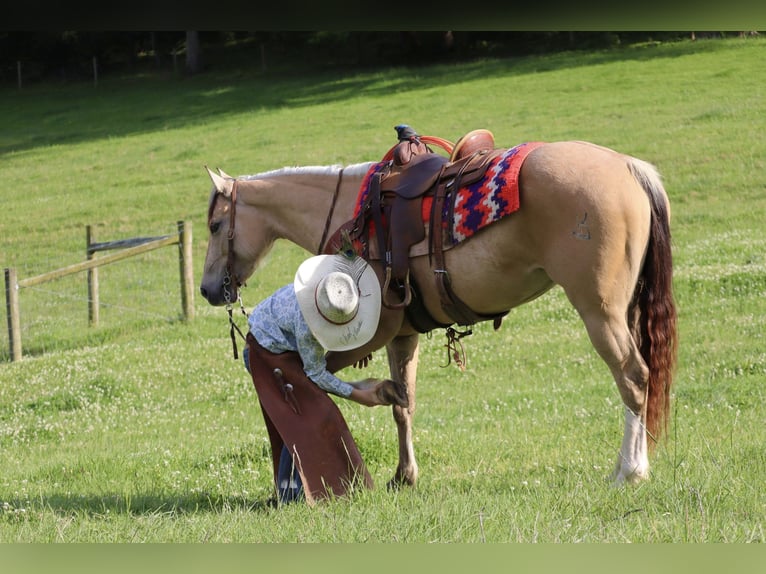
(224, 174)
(222, 185)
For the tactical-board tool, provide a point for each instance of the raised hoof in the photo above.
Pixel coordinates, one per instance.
(393, 393)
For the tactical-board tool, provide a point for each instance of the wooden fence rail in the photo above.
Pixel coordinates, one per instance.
(127, 248)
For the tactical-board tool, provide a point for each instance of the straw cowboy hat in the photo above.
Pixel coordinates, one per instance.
(339, 297)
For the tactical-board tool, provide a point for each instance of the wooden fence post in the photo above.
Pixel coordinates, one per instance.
(93, 298)
(128, 248)
(12, 310)
(187, 271)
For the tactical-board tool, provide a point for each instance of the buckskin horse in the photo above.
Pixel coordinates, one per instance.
(590, 219)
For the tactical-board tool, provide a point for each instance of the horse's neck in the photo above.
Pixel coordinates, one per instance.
(297, 206)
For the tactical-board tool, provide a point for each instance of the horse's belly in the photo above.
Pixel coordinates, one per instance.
(492, 272)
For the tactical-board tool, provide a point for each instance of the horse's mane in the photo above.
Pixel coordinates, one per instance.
(355, 169)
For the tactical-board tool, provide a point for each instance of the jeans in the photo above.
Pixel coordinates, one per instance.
(288, 480)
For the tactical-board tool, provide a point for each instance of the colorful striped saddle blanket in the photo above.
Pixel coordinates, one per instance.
(472, 207)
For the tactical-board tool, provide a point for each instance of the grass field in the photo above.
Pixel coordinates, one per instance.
(145, 429)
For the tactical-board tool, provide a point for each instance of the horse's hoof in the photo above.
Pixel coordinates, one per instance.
(397, 483)
(402, 478)
(393, 393)
(632, 476)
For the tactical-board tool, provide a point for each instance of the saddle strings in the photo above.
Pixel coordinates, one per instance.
(455, 350)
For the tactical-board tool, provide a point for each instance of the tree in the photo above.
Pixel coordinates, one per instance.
(193, 59)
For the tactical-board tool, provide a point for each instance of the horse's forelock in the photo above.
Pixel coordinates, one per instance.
(214, 193)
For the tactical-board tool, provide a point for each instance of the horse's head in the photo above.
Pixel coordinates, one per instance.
(234, 248)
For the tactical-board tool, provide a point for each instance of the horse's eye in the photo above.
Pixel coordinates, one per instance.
(214, 227)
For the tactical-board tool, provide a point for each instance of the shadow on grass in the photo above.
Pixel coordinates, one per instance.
(50, 115)
(146, 504)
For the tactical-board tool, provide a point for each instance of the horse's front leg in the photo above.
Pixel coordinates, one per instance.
(403, 362)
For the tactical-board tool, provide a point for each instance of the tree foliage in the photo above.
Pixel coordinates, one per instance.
(68, 55)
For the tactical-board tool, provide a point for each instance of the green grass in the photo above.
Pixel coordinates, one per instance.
(146, 429)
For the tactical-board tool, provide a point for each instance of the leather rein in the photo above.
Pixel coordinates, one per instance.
(330, 213)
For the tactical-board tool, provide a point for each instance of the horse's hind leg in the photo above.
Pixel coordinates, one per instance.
(603, 302)
(403, 362)
(612, 339)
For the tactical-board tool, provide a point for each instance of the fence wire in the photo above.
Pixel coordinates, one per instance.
(133, 293)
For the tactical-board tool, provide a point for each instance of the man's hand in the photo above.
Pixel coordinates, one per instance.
(363, 362)
(389, 392)
(379, 392)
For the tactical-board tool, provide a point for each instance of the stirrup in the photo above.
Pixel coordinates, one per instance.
(407, 291)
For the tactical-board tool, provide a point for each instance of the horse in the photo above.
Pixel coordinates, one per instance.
(592, 220)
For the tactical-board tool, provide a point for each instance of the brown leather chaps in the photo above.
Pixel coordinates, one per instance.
(301, 416)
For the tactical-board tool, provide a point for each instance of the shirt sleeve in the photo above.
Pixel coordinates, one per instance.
(278, 325)
(314, 363)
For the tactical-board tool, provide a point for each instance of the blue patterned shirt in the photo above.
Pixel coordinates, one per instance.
(278, 325)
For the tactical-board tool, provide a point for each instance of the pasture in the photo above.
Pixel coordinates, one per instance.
(145, 429)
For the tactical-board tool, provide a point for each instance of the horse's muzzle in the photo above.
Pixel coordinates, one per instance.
(213, 296)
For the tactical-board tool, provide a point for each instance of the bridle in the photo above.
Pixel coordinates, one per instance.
(230, 277)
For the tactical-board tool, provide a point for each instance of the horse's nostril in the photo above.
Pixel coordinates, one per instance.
(203, 292)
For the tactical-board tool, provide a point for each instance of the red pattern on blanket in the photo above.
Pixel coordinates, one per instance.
(479, 204)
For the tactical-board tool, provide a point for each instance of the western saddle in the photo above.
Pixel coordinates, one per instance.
(394, 208)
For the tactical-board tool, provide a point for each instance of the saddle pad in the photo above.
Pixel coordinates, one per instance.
(492, 197)
(476, 206)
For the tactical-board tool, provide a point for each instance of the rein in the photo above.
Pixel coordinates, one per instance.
(330, 214)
